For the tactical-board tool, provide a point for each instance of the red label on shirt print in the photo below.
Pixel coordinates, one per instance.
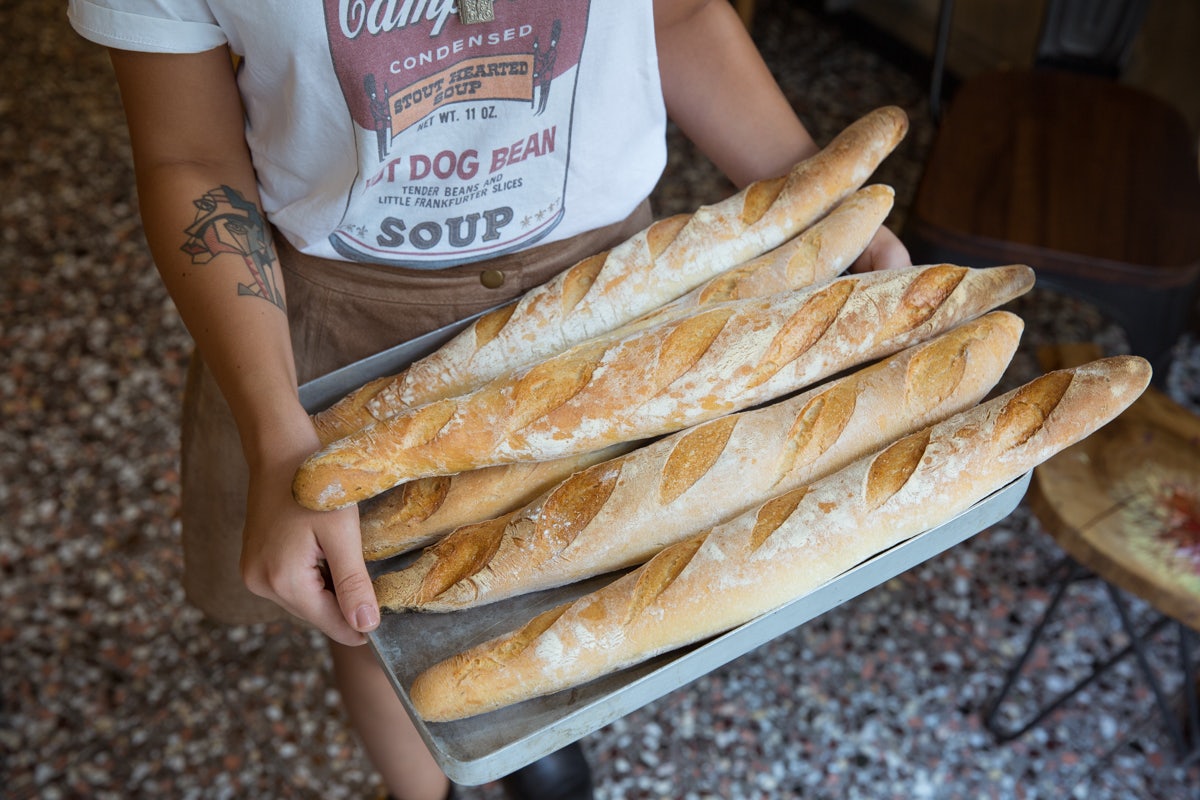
(399, 61)
(464, 130)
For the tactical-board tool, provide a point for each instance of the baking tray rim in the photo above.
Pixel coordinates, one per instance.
(641, 684)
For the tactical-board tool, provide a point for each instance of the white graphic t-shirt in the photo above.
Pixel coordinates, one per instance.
(390, 132)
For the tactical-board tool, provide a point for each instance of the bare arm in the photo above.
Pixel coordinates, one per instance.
(213, 249)
(723, 97)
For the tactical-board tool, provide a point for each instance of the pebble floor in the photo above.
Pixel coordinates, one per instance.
(112, 687)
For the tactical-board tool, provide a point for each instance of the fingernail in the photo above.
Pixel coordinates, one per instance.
(366, 618)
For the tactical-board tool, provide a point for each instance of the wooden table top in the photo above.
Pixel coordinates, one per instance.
(1125, 502)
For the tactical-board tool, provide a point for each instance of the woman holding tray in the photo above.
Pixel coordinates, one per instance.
(320, 182)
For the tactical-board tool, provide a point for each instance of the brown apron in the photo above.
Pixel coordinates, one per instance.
(338, 313)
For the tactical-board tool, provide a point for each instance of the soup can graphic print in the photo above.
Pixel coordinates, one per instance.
(463, 131)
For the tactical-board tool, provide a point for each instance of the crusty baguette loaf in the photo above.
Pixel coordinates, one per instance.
(721, 359)
(421, 511)
(602, 292)
(621, 512)
(785, 548)
(820, 253)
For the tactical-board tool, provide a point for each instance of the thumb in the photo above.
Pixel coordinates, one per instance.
(885, 251)
(351, 581)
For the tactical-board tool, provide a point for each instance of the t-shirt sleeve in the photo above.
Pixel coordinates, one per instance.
(152, 26)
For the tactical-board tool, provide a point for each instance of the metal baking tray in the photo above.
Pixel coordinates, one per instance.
(486, 747)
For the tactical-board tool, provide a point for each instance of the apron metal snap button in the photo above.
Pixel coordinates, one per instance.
(492, 278)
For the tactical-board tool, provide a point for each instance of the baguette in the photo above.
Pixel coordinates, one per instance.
(721, 359)
(785, 548)
(604, 291)
(822, 252)
(623, 511)
(421, 511)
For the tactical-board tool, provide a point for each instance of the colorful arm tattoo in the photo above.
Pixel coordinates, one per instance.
(228, 223)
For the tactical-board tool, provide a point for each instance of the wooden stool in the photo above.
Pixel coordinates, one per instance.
(1124, 505)
(1092, 183)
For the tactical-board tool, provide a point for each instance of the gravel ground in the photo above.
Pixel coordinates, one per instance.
(114, 688)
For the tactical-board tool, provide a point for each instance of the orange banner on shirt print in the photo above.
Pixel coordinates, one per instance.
(488, 78)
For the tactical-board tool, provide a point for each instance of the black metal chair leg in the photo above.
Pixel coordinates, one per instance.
(1073, 572)
(1170, 720)
(1187, 665)
(1070, 573)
